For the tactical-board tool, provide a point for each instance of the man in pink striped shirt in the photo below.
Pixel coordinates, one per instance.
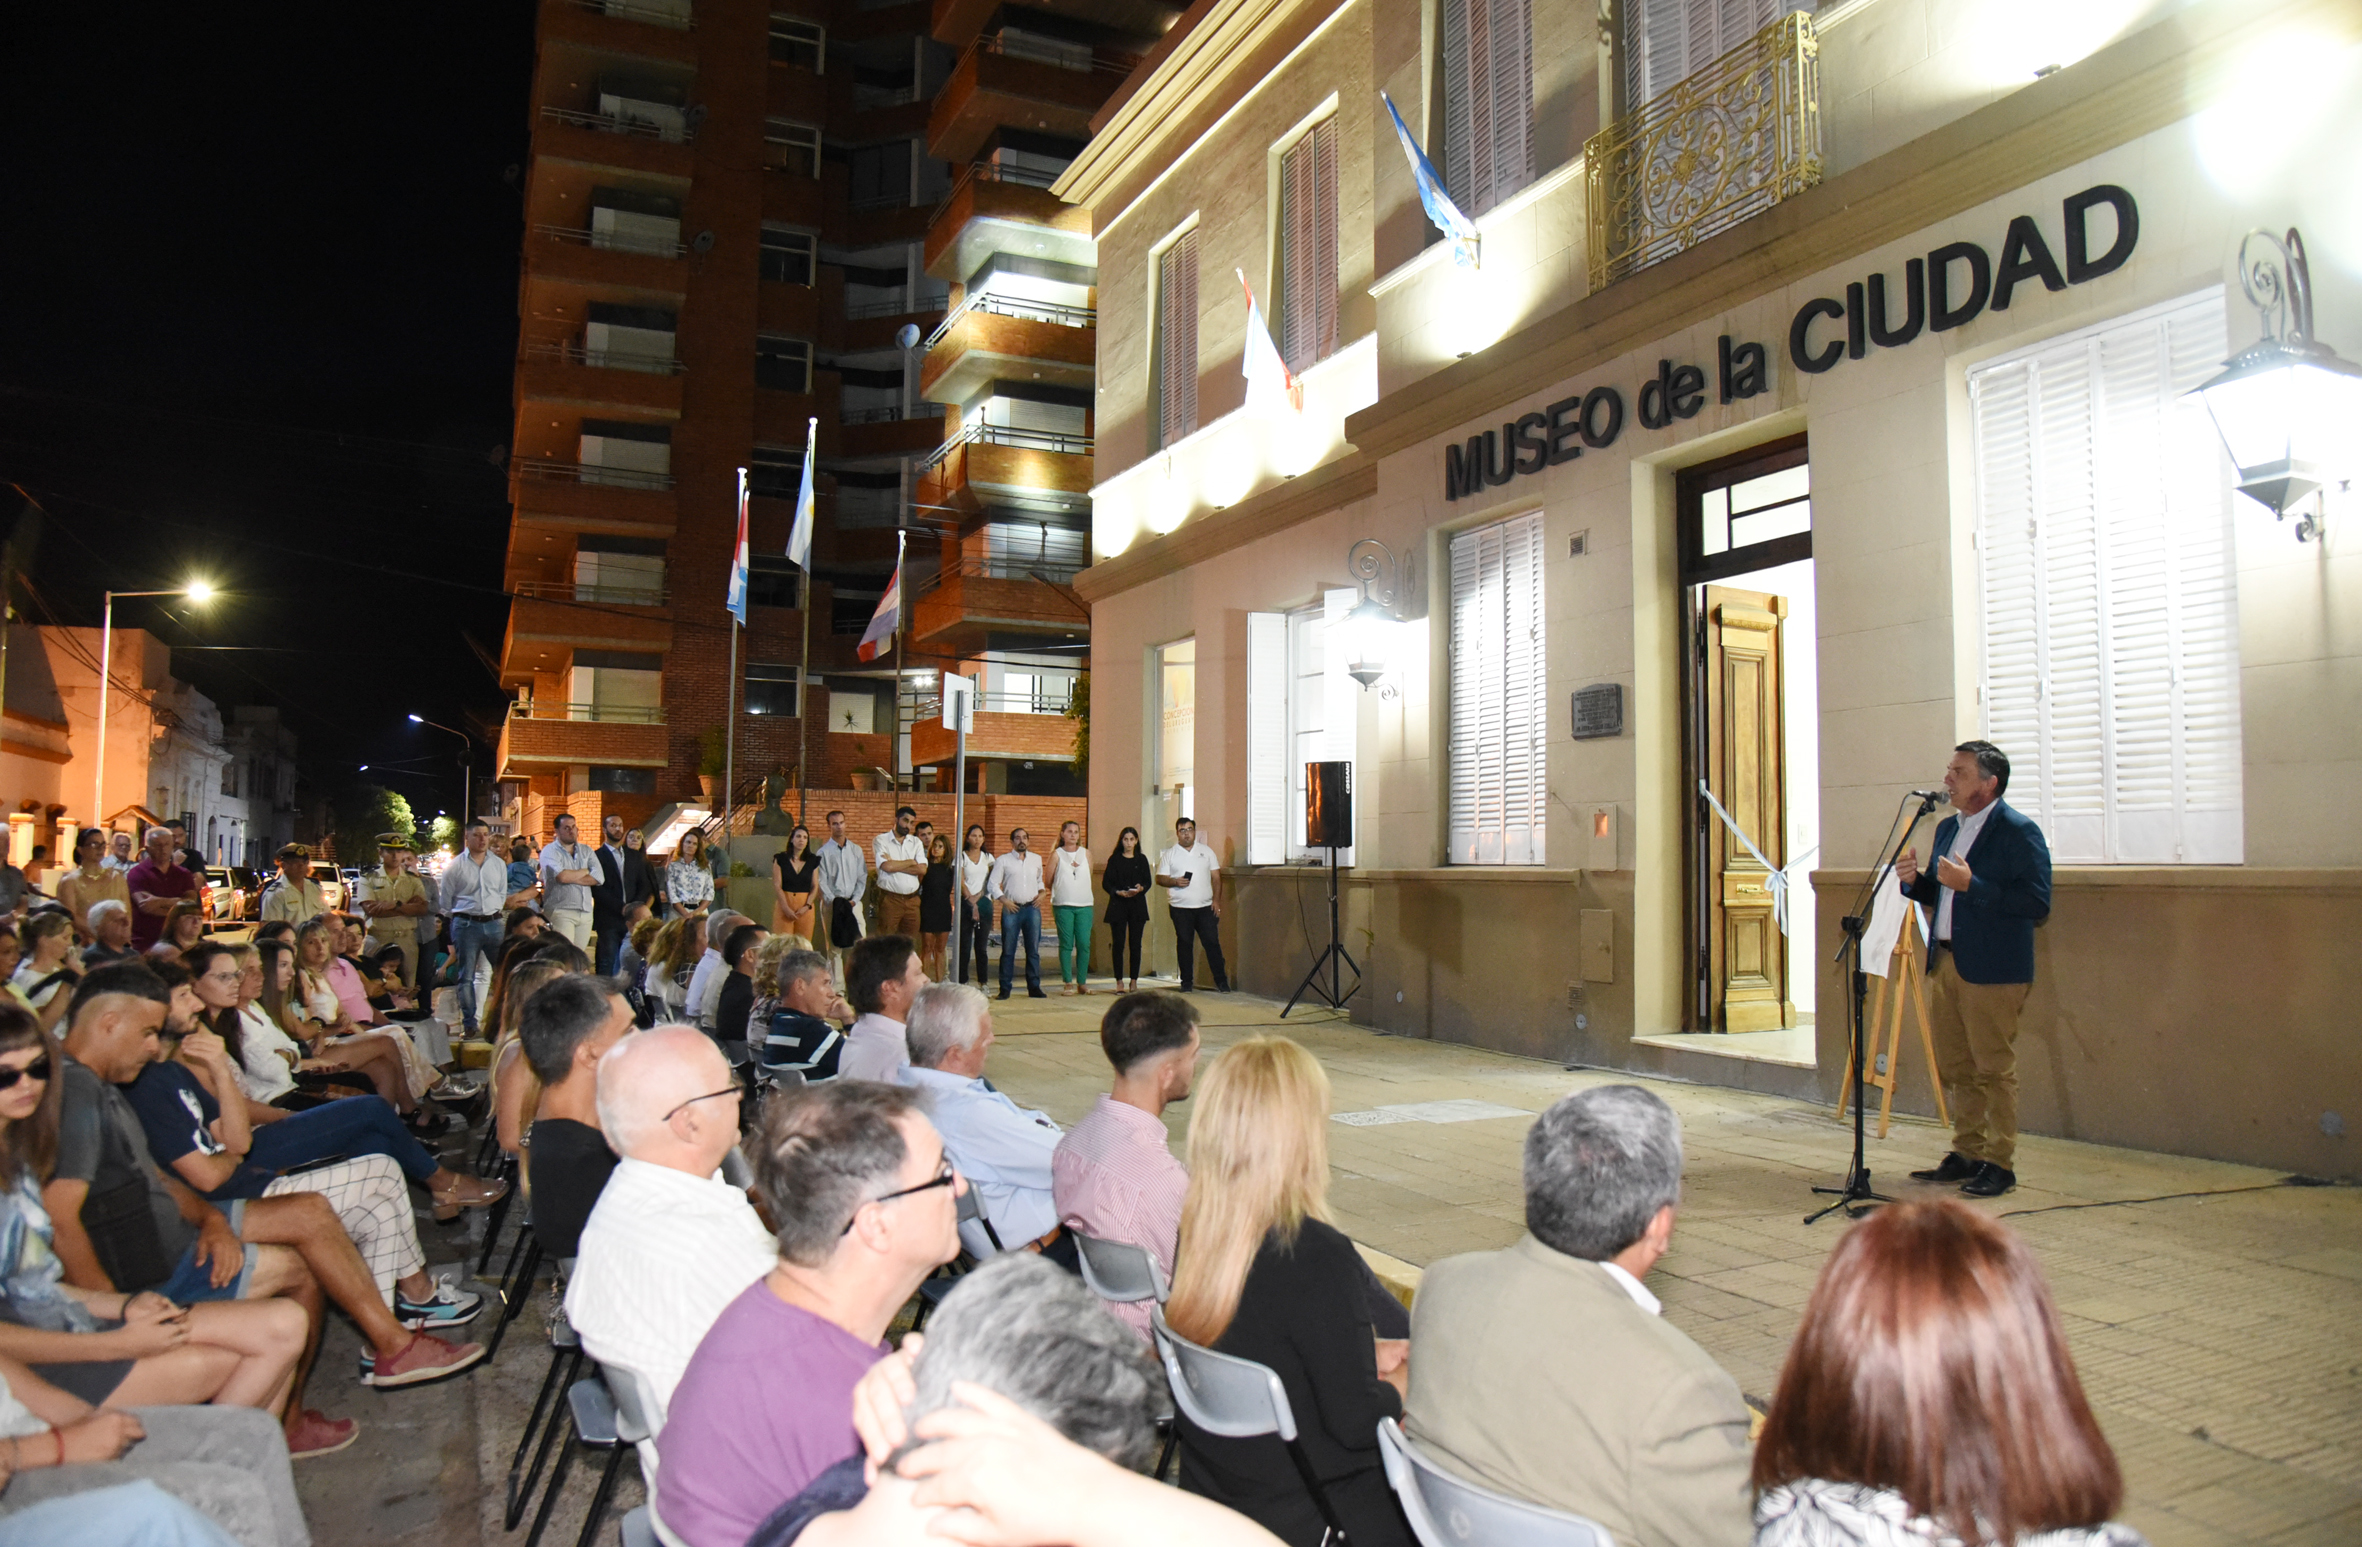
(1112, 1175)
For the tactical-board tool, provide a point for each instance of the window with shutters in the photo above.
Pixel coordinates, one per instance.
(1499, 723)
(1665, 40)
(2108, 607)
(1488, 101)
(1173, 355)
(1308, 248)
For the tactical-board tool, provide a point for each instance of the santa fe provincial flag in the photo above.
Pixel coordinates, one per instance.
(738, 558)
(888, 618)
(1271, 389)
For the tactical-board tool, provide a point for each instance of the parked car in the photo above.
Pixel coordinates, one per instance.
(225, 899)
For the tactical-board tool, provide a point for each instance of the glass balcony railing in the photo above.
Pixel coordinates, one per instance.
(1726, 143)
(609, 714)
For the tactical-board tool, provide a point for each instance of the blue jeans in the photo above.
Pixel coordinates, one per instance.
(1022, 924)
(357, 1125)
(470, 938)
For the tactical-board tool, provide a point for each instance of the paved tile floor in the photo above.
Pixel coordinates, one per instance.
(2214, 1312)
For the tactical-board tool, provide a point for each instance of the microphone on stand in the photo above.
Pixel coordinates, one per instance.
(1934, 798)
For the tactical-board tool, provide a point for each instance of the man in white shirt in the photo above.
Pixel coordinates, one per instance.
(1189, 870)
(902, 859)
(568, 872)
(883, 975)
(475, 896)
(705, 983)
(1016, 885)
(119, 856)
(1003, 1149)
(842, 875)
(669, 1243)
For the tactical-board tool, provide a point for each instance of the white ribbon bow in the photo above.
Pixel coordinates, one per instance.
(1774, 877)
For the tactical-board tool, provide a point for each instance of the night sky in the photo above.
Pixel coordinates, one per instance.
(260, 281)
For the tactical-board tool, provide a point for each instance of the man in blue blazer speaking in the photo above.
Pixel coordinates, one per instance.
(1990, 887)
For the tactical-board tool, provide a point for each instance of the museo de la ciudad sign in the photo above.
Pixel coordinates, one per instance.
(1948, 288)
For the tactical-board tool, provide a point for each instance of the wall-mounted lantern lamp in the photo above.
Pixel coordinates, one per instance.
(1361, 634)
(2287, 408)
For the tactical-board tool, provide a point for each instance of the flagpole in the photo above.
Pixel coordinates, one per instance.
(804, 709)
(899, 613)
(730, 747)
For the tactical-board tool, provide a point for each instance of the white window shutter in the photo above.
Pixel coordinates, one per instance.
(1267, 737)
(1176, 294)
(2108, 593)
(1497, 792)
(1488, 94)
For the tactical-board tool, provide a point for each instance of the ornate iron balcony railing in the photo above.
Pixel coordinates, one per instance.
(1727, 143)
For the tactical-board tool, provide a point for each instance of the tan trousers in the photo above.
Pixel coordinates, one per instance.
(898, 914)
(1976, 1035)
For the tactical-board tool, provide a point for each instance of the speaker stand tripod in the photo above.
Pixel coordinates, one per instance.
(1333, 993)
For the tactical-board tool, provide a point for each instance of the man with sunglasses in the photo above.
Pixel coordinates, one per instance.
(865, 1200)
(669, 1243)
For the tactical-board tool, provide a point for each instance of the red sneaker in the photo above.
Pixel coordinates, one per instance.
(423, 1359)
(314, 1433)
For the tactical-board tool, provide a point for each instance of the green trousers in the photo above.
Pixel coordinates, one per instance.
(1074, 944)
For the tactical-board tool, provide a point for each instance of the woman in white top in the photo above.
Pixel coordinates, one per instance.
(47, 976)
(688, 883)
(975, 920)
(267, 1056)
(1071, 897)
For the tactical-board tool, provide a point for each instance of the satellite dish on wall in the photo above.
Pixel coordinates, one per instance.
(907, 335)
(703, 242)
(695, 116)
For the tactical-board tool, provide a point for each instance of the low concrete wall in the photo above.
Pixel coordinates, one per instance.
(2197, 1012)
(2194, 1012)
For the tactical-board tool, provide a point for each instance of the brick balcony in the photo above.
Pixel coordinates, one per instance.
(1039, 737)
(961, 234)
(964, 610)
(970, 475)
(530, 745)
(979, 346)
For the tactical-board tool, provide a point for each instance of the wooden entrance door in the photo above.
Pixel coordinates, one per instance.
(1746, 955)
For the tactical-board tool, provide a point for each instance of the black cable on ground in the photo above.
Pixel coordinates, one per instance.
(2169, 1197)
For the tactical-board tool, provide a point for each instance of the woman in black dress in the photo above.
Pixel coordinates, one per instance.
(1126, 881)
(792, 869)
(1260, 1273)
(935, 889)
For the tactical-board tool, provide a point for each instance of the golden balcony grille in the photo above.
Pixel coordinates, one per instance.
(1728, 142)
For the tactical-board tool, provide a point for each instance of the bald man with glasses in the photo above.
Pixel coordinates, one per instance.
(669, 1243)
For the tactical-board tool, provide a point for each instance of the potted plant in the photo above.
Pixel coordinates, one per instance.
(712, 763)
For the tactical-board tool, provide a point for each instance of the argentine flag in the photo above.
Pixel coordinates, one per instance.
(738, 554)
(1467, 245)
(799, 536)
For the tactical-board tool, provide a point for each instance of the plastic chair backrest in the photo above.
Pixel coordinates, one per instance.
(1448, 1511)
(1221, 1393)
(1118, 1270)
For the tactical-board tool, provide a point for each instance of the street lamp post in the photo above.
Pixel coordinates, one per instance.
(197, 591)
(467, 810)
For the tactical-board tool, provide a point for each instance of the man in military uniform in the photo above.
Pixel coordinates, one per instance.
(297, 897)
(392, 899)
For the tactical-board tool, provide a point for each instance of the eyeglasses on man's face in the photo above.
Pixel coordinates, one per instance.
(946, 1175)
(734, 1088)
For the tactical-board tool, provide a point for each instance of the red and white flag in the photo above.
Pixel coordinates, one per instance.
(883, 623)
(1271, 388)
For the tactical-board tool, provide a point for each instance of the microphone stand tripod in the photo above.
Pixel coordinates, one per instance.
(1856, 1197)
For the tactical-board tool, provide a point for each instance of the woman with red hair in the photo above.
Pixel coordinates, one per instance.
(1929, 1399)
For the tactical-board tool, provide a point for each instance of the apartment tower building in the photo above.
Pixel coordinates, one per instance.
(741, 219)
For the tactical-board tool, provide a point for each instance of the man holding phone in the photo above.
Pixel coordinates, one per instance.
(1188, 868)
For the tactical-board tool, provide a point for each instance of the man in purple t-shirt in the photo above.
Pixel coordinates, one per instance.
(156, 884)
(855, 1178)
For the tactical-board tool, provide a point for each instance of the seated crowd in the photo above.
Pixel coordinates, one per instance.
(751, 1183)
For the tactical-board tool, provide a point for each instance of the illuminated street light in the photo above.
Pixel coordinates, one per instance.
(198, 591)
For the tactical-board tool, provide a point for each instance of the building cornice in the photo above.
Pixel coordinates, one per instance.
(2133, 87)
(1223, 58)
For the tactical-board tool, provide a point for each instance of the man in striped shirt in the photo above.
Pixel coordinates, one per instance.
(1112, 1175)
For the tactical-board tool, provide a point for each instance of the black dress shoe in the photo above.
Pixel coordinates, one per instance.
(1991, 1181)
(1035, 993)
(1955, 1167)
(1004, 993)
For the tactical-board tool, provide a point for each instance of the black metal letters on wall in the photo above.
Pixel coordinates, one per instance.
(1960, 280)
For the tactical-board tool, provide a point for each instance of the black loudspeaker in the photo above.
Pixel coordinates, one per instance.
(1328, 805)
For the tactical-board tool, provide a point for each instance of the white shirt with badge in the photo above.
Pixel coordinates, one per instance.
(1198, 863)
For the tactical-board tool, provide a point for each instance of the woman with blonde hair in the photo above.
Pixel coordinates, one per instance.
(1929, 1398)
(677, 949)
(515, 1091)
(1261, 1273)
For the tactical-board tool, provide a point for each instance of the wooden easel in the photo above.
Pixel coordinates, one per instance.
(1903, 976)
